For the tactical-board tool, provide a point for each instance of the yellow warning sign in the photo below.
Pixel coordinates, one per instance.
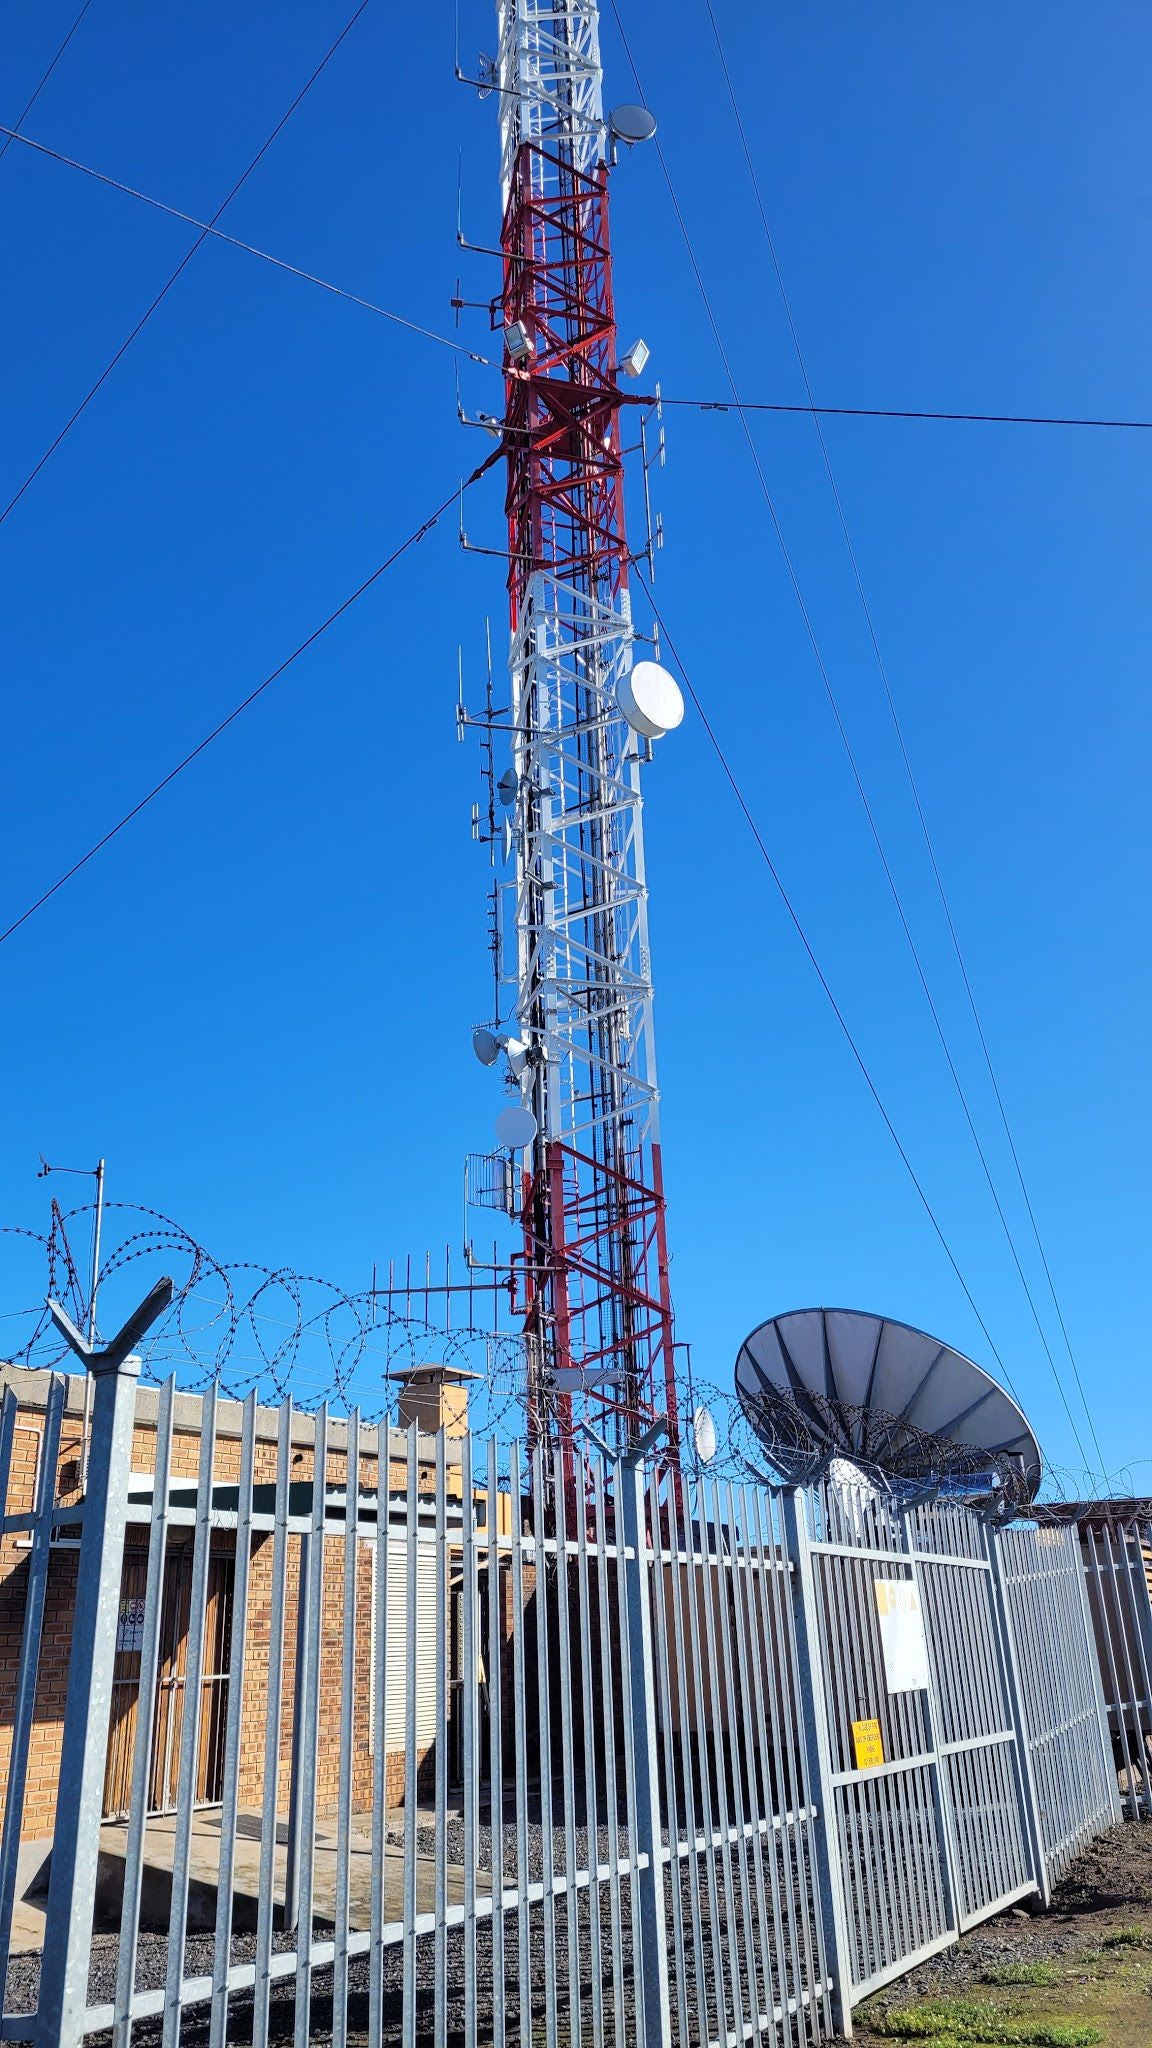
(868, 1745)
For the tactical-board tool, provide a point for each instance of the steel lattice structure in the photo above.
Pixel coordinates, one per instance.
(593, 1271)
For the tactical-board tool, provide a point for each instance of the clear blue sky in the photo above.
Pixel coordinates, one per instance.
(258, 1002)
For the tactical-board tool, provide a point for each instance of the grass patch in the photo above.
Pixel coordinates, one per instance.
(952, 2020)
(1128, 1937)
(1024, 1973)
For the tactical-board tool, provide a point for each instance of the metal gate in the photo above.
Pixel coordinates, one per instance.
(924, 1763)
(1061, 1701)
(1118, 1568)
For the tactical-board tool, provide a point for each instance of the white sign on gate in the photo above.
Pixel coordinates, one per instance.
(902, 1637)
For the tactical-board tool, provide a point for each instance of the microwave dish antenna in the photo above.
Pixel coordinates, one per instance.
(822, 1384)
(516, 1127)
(704, 1435)
(631, 124)
(650, 699)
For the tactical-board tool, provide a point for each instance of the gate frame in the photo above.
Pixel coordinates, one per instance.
(904, 1546)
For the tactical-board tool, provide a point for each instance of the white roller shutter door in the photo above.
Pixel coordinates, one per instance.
(400, 1673)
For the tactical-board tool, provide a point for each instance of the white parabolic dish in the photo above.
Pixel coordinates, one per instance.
(704, 1435)
(632, 124)
(865, 1370)
(515, 1127)
(650, 700)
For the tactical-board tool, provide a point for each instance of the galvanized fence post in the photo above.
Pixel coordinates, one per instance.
(1026, 1778)
(76, 1836)
(290, 1918)
(827, 1876)
(647, 1829)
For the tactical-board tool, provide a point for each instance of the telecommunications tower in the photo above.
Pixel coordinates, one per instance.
(573, 968)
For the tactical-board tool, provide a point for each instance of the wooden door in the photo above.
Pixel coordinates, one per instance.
(214, 1681)
(125, 1686)
(171, 1682)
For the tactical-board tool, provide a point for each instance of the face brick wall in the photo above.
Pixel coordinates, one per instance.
(44, 1758)
(44, 1747)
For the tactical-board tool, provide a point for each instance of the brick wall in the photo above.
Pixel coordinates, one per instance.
(44, 1759)
(52, 1682)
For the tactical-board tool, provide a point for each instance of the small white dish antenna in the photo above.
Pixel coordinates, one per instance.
(704, 1435)
(486, 1046)
(508, 788)
(516, 1127)
(631, 125)
(517, 1052)
(650, 700)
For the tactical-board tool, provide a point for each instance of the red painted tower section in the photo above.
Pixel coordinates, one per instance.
(594, 1273)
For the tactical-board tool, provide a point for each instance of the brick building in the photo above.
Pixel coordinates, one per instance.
(432, 1400)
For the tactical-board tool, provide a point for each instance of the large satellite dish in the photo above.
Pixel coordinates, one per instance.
(825, 1383)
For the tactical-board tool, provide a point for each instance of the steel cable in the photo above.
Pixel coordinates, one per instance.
(13, 134)
(181, 267)
(842, 731)
(914, 789)
(717, 405)
(317, 632)
(814, 962)
(250, 248)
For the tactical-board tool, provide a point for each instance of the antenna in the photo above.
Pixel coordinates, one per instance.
(825, 1384)
(592, 1274)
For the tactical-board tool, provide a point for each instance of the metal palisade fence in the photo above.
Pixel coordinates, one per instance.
(1118, 1567)
(414, 1738)
(1061, 1697)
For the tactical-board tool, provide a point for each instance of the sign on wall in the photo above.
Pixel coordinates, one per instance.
(902, 1637)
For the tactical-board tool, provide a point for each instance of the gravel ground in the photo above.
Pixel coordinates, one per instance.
(152, 1958)
(594, 1948)
(1110, 1883)
(152, 1961)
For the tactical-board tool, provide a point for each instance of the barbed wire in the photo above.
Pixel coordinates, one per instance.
(775, 1437)
(245, 1326)
(783, 1441)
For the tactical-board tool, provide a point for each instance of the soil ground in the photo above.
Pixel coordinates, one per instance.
(1079, 1974)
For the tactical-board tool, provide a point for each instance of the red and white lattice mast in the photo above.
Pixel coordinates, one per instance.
(592, 1276)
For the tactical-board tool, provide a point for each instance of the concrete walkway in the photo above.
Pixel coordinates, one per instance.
(159, 1849)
